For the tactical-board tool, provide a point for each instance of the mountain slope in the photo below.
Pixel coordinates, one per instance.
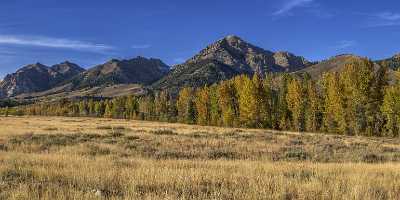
(334, 64)
(37, 77)
(228, 57)
(337, 64)
(392, 63)
(134, 71)
(236, 52)
(195, 74)
(64, 71)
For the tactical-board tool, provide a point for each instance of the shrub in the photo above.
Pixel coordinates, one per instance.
(296, 154)
(373, 158)
(164, 132)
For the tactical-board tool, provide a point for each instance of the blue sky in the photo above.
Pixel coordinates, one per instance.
(89, 32)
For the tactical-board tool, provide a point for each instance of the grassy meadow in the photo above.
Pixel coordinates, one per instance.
(95, 158)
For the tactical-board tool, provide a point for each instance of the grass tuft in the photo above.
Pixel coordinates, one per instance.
(164, 132)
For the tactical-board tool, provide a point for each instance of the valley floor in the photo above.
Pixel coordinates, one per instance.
(94, 158)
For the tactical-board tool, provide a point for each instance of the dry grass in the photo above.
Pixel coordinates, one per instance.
(85, 158)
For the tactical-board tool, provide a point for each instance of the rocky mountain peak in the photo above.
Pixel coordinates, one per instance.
(235, 42)
(232, 38)
(66, 63)
(114, 60)
(226, 58)
(66, 67)
(245, 57)
(37, 77)
(138, 70)
(290, 61)
(37, 66)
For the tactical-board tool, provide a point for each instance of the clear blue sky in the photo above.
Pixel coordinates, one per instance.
(89, 32)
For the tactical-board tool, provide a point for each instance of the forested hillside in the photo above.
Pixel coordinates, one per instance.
(356, 101)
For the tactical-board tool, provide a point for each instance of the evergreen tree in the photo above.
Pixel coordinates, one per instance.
(215, 111)
(261, 107)
(252, 101)
(91, 108)
(108, 109)
(295, 102)
(357, 79)
(83, 108)
(375, 118)
(334, 120)
(172, 110)
(161, 105)
(185, 106)
(246, 100)
(270, 102)
(313, 108)
(283, 113)
(118, 107)
(99, 108)
(202, 102)
(131, 107)
(74, 110)
(147, 107)
(391, 108)
(228, 103)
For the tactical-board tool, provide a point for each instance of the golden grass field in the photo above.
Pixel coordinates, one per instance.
(94, 158)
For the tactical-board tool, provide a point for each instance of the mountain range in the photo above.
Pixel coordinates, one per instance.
(37, 77)
(220, 60)
(139, 70)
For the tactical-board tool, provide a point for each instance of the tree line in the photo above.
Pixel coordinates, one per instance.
(358, 100)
